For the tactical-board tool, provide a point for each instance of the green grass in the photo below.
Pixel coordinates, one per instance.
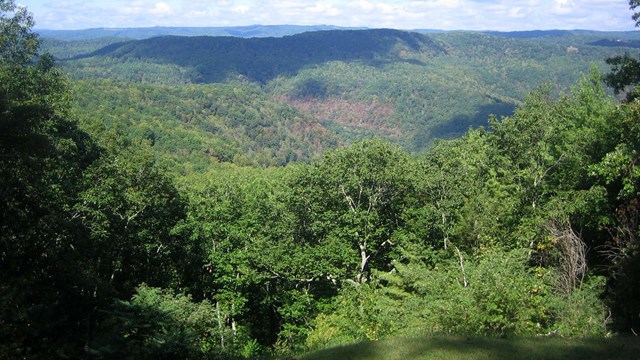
(452, 348)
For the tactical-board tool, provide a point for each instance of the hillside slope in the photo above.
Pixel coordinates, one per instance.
(406, 87)
(214, 59)
(192, 127)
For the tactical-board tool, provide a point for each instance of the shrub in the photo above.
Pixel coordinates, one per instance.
(493, 294)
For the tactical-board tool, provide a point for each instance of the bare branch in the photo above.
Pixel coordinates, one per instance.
(349, 199)
(573, 256)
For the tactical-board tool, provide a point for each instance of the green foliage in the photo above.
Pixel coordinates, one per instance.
(459, 192)
(581, 313)
(18, 44)
(357, 318)
(483, 193)
(193, 127)
(618, 173)
(42, 156)
(130, 206)
(350, 204)
(633, 4)
(441, 95)
(131, 71)
(252, 271)
(63, 50)
(157, 324)
(216, 59)
(495, 294)
(625, 71)
(624, 75)
(408, 88)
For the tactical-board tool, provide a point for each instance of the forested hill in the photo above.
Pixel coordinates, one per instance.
(262, 59)
(343, 85)
(530, 34)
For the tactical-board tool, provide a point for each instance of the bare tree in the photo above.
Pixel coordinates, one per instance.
(572, 261)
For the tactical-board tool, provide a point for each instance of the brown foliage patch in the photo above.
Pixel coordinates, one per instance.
(366, 115)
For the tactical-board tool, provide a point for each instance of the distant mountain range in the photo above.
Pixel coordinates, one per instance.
(149, 32)
(284, 30)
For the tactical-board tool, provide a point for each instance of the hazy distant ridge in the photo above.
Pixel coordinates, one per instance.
(284, 30)
(145, 33)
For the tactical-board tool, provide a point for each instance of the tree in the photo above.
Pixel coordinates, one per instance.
(625, 72)
(79, 225)
(158, 324)
(619, 173)
(42, 156)
(18, 45)
(633, 4)
(450, 180)
(351, 202)
(129, 207)
(237, 218)
(624, 75)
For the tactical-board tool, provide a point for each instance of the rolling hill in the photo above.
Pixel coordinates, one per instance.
(261, 59)
(407, 87)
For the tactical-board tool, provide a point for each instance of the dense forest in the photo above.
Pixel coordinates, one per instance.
(336, 87)
(309, 203)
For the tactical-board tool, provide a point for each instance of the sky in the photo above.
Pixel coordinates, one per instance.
(503, 15)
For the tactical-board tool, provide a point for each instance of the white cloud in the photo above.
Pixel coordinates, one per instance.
(288, 4)
(241, 9)
(324, 8)
(162, 9)
(365, 5)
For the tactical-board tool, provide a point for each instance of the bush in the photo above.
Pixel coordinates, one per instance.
(157, 324)
(582, 312)
(492, 294)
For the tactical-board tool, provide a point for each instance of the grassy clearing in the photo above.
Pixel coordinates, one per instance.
(467, 348)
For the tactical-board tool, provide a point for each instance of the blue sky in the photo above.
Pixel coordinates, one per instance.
(399, 14)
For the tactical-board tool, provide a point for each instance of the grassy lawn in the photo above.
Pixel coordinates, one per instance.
(451, 348)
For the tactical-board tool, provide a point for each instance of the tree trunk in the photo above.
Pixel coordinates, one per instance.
(220, 325)
(364, 259)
